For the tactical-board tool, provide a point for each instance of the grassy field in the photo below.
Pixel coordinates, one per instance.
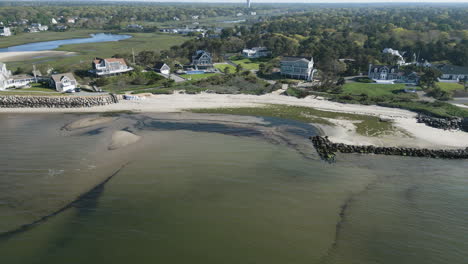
(450, 87)
(371, 89)
(86, 52)
(25, 38)
(223, 66)
(365, 125)
(248, 64)
(196, 77)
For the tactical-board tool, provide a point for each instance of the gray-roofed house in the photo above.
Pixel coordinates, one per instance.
(452, 73)
(202, 60)
(163, 68)
(63, 82)
(298, 68)
(383, 72)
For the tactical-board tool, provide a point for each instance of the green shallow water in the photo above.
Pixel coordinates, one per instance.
(198, 197)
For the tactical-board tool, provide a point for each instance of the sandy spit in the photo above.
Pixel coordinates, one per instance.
(122, 139)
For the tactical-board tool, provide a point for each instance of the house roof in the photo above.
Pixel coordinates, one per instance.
(452, 69)
(159, 65)
(98, 60)
(58, 77)
(290, 58)
(385, 66)
(201, 53)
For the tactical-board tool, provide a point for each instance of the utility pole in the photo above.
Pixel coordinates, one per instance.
(34, 73)
(133, 54)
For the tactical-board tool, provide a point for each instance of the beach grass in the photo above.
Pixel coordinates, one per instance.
(365, 125)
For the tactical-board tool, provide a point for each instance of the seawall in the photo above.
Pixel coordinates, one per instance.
(20, 101)
(327, 149)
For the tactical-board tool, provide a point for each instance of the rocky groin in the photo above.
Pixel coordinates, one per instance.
(19, 101)
(327, 149)
(449, 123)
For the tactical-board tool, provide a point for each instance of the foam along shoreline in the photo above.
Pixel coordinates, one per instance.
(414, 134)
(29, 55)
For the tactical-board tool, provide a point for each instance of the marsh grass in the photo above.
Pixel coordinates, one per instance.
(365, 125)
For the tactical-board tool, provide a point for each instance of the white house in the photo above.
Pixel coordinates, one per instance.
(162, 68)
(110, 66)
(5, 32)
(257, 52)
(54, 21)
(452, 73)
(8, 80)
(298, 68)
(63, 82)
(5, 75)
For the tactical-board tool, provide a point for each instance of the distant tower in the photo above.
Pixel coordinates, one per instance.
(248, 4)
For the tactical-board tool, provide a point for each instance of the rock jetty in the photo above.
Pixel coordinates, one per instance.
(327, 149)
(19, 101)
(453, 123)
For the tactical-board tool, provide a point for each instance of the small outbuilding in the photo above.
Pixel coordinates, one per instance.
(162, 68)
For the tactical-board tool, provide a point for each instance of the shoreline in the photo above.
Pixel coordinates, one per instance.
(415, 134)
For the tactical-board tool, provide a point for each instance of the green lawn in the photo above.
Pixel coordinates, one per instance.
(449, 87)
(223, 66)
(371, 89)
(196, 77)
(248, 64)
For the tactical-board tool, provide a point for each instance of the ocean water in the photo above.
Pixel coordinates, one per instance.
(193, 191)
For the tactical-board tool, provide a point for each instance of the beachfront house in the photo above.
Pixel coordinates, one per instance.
(452, 73)
(383, 73)
(63, 82)
(202, 60)
(257, 52)
(110, 66)
(387, 74)
(298, 68)
(8, 80)
(162, 68)
(5, 32)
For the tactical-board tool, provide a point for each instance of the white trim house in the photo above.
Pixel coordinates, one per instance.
(298, 68)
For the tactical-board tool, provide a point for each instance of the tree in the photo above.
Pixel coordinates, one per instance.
(239, 68)
(227, 70)
(429, 78)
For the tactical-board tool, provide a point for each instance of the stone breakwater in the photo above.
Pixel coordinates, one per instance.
(16, 101)
(454, 123)
(327, 149)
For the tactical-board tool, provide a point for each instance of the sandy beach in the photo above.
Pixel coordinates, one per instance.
(415, 134)
(28, 55)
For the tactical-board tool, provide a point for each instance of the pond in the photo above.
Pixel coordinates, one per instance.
(51, 45)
